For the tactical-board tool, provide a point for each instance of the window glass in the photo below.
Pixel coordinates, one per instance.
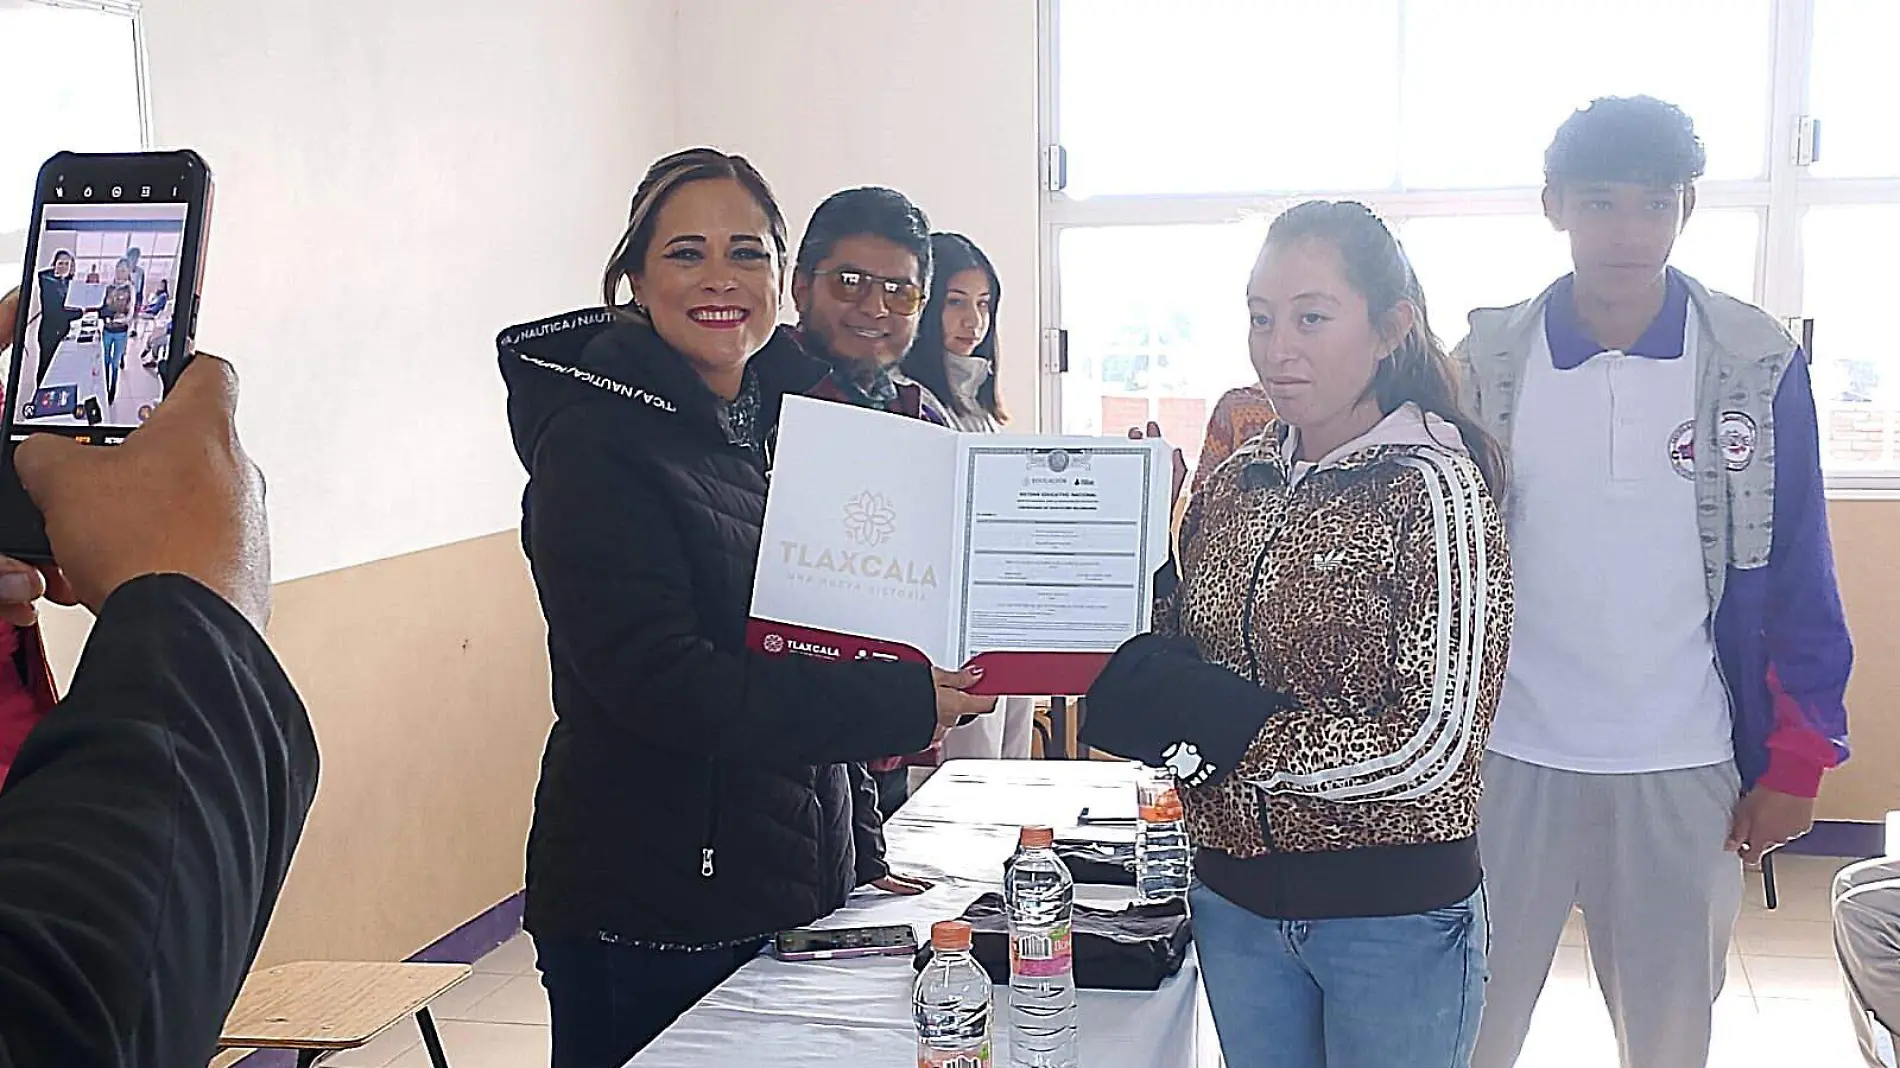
(1228, 96)
(1849, 285)
(1487, 82)
(1855, 88)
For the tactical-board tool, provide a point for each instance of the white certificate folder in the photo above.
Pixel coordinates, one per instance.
(893, 538)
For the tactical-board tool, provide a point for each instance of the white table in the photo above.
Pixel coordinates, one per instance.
(958, 829)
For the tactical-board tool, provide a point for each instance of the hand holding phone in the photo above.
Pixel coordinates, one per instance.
(183, 499)
(23, 585)
(180, 498)
(93, 356)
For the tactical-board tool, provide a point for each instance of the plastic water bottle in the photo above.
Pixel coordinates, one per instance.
(951, 1002)
(1040, 897)
(1161, 844)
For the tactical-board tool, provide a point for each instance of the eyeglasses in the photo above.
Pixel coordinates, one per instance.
(901, 295)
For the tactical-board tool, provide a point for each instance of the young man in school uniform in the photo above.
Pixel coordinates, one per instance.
(1679, 656)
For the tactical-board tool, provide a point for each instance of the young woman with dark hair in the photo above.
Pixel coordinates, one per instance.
(115, 325)
(954, 359)
(954, 356)
(695, 797)
(1324, 671)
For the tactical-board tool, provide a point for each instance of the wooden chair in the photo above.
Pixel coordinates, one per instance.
(321, 1007)
(1057, 726)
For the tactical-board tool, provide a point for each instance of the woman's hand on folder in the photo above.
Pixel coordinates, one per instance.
(953, 704)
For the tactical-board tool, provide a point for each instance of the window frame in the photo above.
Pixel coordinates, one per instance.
(1781, 195)
(13, 242)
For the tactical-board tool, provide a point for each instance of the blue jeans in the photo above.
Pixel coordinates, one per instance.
(607, 1001)
(1380, 992)
(112, 346)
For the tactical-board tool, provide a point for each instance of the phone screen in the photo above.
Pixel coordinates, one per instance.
(109, 301)
(100, 311)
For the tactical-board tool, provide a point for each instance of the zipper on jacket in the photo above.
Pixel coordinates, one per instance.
(712, 820)
(1246, 614)
(1253, 664)
(1253, 592)
(1253, 651)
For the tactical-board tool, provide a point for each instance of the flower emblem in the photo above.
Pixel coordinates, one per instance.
(869, 519)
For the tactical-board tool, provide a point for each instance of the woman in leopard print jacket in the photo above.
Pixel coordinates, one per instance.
(1324, 673)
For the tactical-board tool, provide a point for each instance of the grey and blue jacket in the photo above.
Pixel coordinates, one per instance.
(1780, 633)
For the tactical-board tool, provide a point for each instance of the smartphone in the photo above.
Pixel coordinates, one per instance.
(108, 308)
(897, 940)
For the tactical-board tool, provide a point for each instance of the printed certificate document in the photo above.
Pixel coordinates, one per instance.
(891, 538)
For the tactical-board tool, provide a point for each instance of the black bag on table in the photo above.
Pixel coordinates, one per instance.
(1133, 948)
(1098, 863)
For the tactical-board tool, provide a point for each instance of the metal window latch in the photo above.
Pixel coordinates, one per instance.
(1055, 351)
(1803, 331)
(1055, 168)
(1807, 141)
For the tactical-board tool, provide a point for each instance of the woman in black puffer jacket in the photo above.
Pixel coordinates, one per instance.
(695, 798)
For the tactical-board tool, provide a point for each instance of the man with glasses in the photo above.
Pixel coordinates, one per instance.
(860, 282)
(862, 275)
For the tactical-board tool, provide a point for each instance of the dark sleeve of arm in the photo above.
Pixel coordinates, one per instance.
(623, 616)
(145, 834)
(1809, 651)
(867, 826)
(1166, 618)
(1158, 702)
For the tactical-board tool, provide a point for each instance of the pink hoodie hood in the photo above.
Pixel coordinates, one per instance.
(24, 701)
(1407, 425)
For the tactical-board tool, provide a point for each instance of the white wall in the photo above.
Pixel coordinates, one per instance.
(936, 98)
(397, 181)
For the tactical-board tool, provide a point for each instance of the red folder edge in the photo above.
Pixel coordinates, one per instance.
(1031, 674)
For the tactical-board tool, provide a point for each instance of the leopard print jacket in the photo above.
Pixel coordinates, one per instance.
(1375, 591)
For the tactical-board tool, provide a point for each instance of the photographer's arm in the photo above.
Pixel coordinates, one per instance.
(145, 833)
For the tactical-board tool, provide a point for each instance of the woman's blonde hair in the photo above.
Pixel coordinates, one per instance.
(662, 180)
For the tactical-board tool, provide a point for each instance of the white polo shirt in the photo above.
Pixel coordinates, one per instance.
(1613, 664)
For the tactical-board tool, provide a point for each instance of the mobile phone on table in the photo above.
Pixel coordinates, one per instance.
(804, 943)
(1088, 819)
(108, 308)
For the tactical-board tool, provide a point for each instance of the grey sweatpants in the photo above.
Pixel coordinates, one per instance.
(1642, 856)
(1867, 940)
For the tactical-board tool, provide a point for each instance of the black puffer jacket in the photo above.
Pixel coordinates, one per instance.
(691, 792)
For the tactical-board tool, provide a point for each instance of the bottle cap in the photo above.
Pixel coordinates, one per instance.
(950, 936)
(1036, 838)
